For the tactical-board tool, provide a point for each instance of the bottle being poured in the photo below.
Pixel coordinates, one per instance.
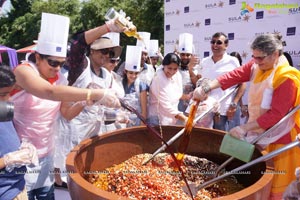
(123, 21)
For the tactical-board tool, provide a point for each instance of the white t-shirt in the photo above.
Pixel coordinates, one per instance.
(211, 70)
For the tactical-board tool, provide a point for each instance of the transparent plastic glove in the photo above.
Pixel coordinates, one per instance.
(123, 117)
(25, 156)
(238, 132)
(199, 94)
(110, 99)
(27, 145)
(114, 27)
(202, 90)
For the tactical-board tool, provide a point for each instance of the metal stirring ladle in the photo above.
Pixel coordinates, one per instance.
(266, 157)
(288, 115)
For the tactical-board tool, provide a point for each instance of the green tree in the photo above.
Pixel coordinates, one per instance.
(147, 15)
(22, 24)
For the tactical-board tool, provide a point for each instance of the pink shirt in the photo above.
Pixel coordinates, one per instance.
(34, 117)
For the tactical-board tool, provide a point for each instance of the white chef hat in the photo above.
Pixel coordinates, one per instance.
(145, 41)
(153, 48)
(53, 36)
(133, 58)
(185, 43)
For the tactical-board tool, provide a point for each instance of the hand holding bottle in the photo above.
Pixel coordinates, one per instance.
(118, 22)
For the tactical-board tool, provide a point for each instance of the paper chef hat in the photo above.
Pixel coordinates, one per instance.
(185, 43)
(153, 48)
(53, 37)
(115, 37)
(145, 42)
(133, 58)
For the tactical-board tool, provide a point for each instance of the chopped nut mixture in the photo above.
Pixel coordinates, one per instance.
(159, 179)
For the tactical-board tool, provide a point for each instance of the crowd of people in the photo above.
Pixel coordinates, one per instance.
(54, 112)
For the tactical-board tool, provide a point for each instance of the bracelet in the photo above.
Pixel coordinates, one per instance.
(89, 94)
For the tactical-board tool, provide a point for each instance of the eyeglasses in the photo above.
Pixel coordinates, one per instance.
(108, 51)
(114, 61)
(55, 63)
(259, 58)
(218, 42)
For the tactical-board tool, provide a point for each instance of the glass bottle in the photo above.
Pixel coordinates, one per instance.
(123, 22)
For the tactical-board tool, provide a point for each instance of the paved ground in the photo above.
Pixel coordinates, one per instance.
(62, 194)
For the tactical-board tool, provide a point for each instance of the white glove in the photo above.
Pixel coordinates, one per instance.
(110, 99)
(114, 27)
(25, 156)
(238, 132)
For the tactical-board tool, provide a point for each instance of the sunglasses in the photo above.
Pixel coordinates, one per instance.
(114, 61)
(108, 51)
(218, 42)
(259, 58)
(55, 63)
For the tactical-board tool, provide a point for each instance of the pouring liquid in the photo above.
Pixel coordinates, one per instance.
(153, 131)
(185, 139)
(133, 33)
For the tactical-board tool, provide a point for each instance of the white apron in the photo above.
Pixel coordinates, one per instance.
(255, 97)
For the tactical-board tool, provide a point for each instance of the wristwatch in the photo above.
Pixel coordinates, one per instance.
(234, 105)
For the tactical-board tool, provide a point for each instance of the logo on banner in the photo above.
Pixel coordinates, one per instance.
(244, 18)
(195, 24)
(291, 31)
(244, 14)
(230, 36)
(168, 27)
(294, 53)
(170, 42)
(262, 33)
(294, 11)
(172, 13)
(205, 54)
(186, 9)
(275, 8)
(246, 8)
(220, 4)
(260, 15)
(232, 2)
(207, 22)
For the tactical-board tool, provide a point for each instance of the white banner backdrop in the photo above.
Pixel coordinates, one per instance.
(242, 21)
